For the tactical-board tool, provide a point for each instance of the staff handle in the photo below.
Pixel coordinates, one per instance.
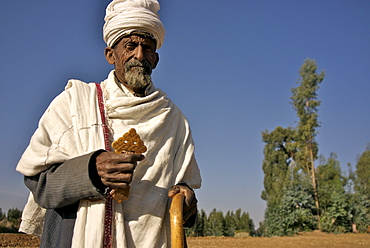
(176, 219)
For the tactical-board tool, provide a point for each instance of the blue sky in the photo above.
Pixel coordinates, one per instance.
(229, 65)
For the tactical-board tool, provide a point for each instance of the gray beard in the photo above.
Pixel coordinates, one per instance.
(138, 78)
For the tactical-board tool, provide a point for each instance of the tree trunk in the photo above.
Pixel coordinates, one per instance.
(314, 185)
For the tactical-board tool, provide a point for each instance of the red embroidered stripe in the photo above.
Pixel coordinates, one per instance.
(108, 217)
(102, 114)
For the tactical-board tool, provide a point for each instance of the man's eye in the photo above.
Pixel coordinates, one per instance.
(130, 46)
(148, 48)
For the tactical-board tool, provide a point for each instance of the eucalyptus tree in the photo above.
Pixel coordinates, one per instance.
(305, 102)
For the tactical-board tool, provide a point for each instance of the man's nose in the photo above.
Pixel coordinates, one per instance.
(139, 53)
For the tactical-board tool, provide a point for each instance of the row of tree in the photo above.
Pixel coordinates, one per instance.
(214, 224)
(10, 222)
(301, 196)
(217, 224)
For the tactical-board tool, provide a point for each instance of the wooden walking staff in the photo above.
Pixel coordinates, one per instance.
(177, 221)
(130, 142)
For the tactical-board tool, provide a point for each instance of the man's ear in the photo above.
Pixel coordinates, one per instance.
(108, 52)
(156, 61)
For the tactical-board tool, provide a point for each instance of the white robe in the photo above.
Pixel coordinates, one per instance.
(72, 126)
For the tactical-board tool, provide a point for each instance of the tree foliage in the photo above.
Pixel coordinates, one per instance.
(295, 213)
(336, 217)
(10, 222)
(330, 180)
(276, 163)
(2, 215)
(360, 198)
(305, 102)
(363, 174)
(14, 215)
(334, 202)
(218, 224)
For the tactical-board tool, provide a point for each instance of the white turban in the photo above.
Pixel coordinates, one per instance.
(124, 17)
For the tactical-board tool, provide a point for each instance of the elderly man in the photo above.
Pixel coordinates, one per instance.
(70, 166)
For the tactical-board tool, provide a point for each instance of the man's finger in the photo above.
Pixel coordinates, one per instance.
(173, 191)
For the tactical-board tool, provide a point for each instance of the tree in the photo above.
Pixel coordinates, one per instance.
(198, 230)
(363, 173)
(329, 180)
(361, 197)
(2, 215)
(247, 224)
(10, 223)
(215, 223)
(243, 223)
(230, 225)
(276, 163)
(294, 214)
(334, 201)
(336, 217)
(14, 216)
(304, 101)
(360, 213)
(290, 151)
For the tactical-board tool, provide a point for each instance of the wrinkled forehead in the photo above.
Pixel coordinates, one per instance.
(146, 37)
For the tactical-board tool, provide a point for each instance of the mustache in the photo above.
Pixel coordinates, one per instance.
(136, 63)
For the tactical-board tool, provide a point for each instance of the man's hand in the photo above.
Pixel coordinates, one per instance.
(116, 170)
(190, 202)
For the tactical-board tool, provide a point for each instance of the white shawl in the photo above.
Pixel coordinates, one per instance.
(65, 133)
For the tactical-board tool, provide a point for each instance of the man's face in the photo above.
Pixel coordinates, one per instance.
(134, 58)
